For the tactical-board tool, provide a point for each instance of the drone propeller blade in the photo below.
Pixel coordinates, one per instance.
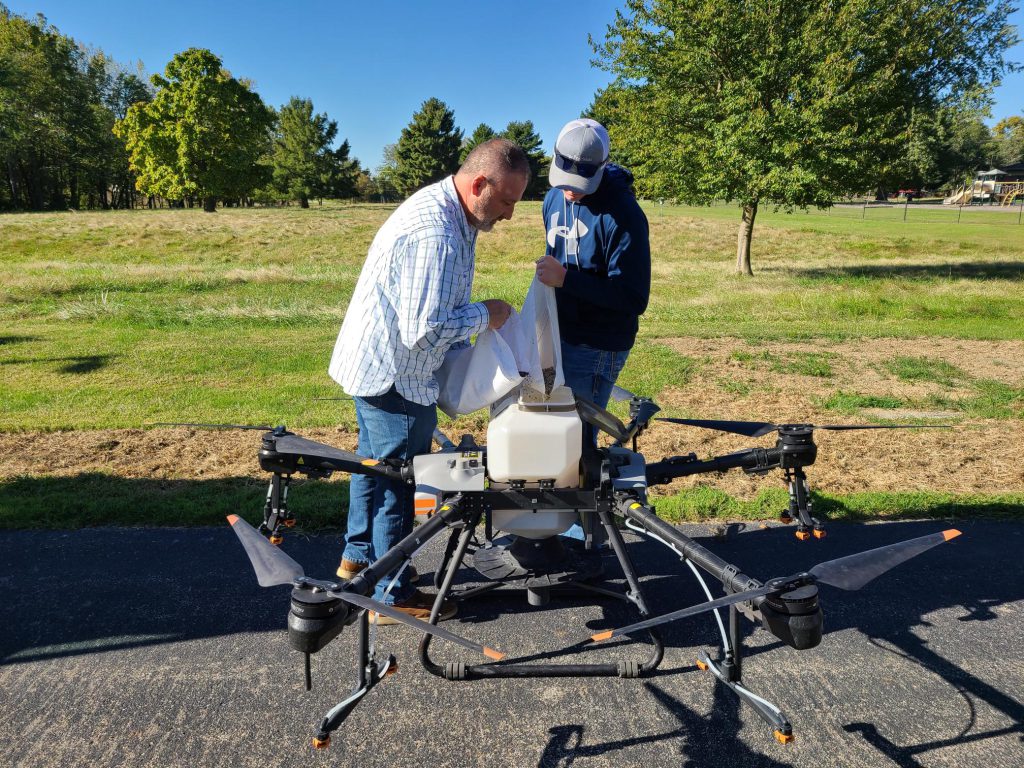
(850, 573)
(693, 610)
(747, 428)
(854, 571)
(272, 566)
(621, 395)
(423, 626)
(882, 426)
(209, 426)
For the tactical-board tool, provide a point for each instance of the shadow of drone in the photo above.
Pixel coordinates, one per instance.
(700, 740)
(981, 572)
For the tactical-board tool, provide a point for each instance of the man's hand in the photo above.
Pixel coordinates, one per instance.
(550, 272)
(499, 310)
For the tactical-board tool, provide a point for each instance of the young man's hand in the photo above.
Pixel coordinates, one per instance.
(499, 310)
(550, 272)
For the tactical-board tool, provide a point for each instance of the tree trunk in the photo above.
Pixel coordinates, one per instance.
(743, 241)
(303, 202)
(210, 204)
(12, 178)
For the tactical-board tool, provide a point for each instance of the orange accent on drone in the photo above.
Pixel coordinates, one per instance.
(701, 665)
(952, 533)
(783, 738)
(819, 534)
(490, 653)
(233, 519)
(803, 535)
(369, 462)
(321, 743)
(602, 635)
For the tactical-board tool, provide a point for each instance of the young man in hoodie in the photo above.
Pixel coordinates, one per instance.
(598, 258)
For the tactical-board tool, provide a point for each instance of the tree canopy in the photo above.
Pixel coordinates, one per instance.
(203, 134)
(789, 103)
(304, 163)
(523, 134)
(57, 105)
(428, 149)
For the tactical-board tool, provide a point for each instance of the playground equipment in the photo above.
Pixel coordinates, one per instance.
(986, 189)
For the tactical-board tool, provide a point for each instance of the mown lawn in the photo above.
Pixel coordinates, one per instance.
(119, 319)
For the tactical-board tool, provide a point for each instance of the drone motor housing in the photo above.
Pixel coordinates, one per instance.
(794, 617)
(315, 619)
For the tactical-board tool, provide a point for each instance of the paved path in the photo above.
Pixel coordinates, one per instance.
(156, 648)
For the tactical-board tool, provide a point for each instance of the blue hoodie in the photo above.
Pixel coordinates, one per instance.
(603, 242)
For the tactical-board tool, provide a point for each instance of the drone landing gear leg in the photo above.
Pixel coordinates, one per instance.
(369, 674)
(729, 671)
(641, 517)
(800, 506)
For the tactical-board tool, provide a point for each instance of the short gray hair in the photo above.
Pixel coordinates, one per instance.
(496, 157)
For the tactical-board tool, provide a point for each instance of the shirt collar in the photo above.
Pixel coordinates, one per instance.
(469, 232)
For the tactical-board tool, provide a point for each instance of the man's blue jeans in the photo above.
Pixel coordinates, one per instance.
(380, 512)
(590, 373)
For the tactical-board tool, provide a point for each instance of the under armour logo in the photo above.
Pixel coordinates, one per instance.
(571, 234)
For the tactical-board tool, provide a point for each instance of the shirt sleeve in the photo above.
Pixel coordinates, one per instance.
(433, 310)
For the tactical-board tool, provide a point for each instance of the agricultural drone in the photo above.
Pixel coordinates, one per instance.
(538, 474)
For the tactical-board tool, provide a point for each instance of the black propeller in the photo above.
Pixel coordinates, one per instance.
(759, 428)
(273, 567)
(849, 573)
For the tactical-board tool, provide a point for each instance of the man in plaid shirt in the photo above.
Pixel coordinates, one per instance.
(410, 306)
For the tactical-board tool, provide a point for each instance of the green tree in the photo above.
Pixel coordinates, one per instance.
(202, 135)
(304, 163)
(1008, 135)
(51, 114)
(789, 103)
(523, 134)
(428, 149)
(482, 133)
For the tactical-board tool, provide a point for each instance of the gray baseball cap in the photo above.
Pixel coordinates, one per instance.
(581, 153)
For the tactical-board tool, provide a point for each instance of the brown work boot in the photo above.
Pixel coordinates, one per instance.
(418, 605)
(349, 569)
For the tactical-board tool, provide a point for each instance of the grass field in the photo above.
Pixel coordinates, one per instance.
(110, 321)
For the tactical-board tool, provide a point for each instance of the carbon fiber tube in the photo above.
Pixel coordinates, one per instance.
(731, 577)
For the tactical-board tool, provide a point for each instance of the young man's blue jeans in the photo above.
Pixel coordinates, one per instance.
(380, 512)
(590, 373)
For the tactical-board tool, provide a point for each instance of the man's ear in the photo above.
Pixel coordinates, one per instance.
(478, 184)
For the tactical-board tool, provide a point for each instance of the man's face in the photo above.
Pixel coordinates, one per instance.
(497, 199)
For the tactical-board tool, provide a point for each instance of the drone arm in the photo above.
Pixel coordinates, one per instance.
(643, 515)
(450, 515)
(753, 460)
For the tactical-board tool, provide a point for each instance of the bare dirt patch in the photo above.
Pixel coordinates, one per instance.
(979, 456)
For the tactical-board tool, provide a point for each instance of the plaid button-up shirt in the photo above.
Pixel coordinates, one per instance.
(411, 303)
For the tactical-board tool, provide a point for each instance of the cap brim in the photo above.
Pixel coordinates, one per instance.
(574, 182)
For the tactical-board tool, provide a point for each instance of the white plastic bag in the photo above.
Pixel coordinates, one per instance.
(473, 377)
(535, 338)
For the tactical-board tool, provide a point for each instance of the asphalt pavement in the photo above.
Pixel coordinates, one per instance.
(156, 647)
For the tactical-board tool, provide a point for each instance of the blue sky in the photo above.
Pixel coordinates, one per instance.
(369, 65)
